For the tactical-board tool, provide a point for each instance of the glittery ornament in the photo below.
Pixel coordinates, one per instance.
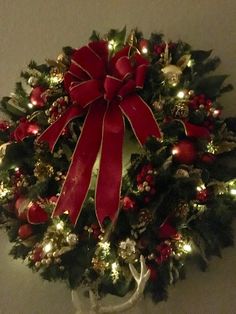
(33, 81)
(180, 110)
(145, 216)
(99, 265)
(57, 109)
(72, 239)
(158, 105)
(182, 210)
(42, 171)
(181, 173)
(172, 74)
(127, 250)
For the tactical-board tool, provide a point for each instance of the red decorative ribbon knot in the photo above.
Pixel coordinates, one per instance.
(105, 89)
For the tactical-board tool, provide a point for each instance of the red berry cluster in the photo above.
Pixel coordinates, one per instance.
(160, 48)
(128, 203)
(164, 251)
(145, 181)
(4, 125)
(200, 102)
(57, 108)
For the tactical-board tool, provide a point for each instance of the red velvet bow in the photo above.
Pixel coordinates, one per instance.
(105, 89)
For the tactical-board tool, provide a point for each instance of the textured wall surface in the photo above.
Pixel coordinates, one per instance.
(38, 29)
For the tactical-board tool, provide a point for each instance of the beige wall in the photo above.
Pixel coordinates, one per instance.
(38, 29)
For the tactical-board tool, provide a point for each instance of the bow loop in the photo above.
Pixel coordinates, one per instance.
(124, 68)
(89, 62)
(85, 93)
(111, 87)
(127, 89)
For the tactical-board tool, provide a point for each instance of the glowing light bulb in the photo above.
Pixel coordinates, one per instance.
(144, 50)
(200, 187)
(30, 105)
(115, 272)
(174, 151)
(216, 113)
(47, 248)
(181, 94)
(233, 191)
(60, 225)
(190, 63)
(17, 169)
(105, 246)
(112, 44)
(187, 248)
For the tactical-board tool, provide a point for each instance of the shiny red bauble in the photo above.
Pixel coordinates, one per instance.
(184, 152)
(21, 208)
(208, 158)
(25, 231)
(36, 214)
(203, 196)
(37, 97)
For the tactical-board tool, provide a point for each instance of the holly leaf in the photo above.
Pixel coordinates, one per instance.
(200, 55)
(210, 86)
(95, 36)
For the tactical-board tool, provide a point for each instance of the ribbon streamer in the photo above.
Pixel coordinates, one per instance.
(106, 90)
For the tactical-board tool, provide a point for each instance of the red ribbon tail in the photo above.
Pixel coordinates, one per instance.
(193, 130)
(53, 132)
(78, 178)
(110, 172)
(140, 117)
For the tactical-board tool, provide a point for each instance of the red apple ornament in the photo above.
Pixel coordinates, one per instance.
(25, 231)
(36, 214)
(184, 152)
(37, 98)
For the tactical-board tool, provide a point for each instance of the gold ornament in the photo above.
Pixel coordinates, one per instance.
(63, 58)
(182, 209)
(127, 250)
(72, 239)
(99, 265)
(181, 173)
(184, 61)
(144, 219)
(158, 105)
(145, 216)
(131, 39)
(32, 81)
(3, 148)
(172, 73)
(180, 110)
(42, 171)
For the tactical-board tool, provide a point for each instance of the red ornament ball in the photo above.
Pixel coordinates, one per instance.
(143, 46)
(37, 254)
(37, 98)
(184, 152)
(36, 214)
(208, 158)
(25, 231)
(203, 196)
(167, 231)
(21, 208)
(128, 204)
(153, 273)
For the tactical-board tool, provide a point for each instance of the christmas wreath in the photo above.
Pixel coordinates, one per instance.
(139, 217)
